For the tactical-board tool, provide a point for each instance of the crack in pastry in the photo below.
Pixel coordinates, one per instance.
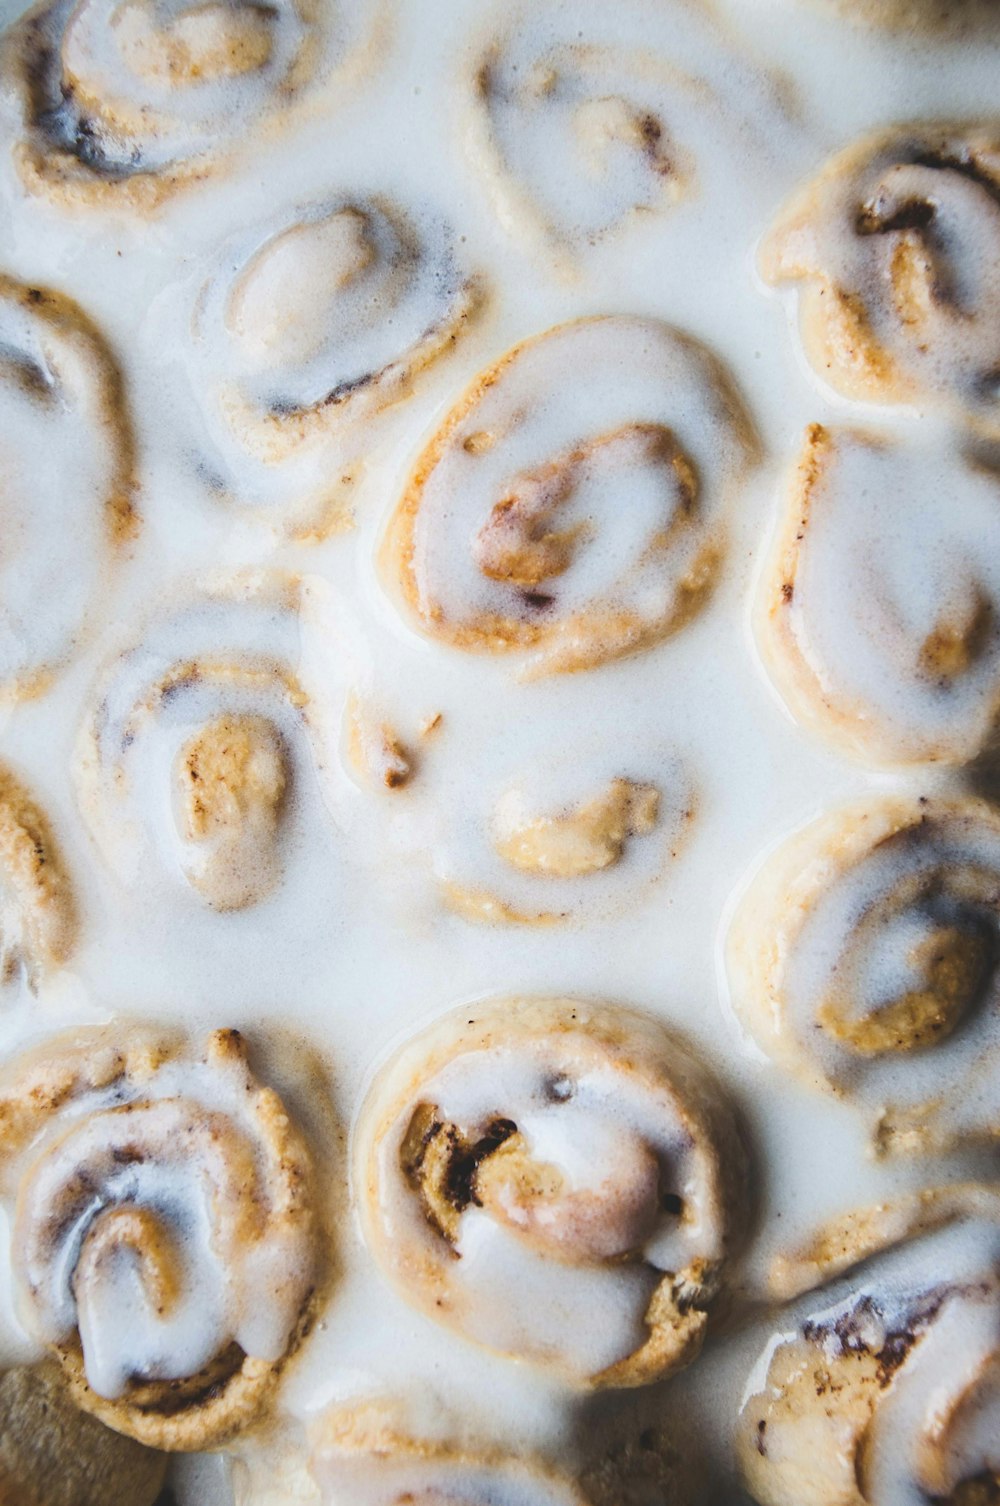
(558, 1181)
(38, 913)
(52, 1454)
(315, 323)
(214, 706)
(570, 507)
(878, 615)
(577, 138)
(366, 1455)
(864, 957)
(124, 102)
(889, 1395)
(67, 473)
(164, 1244)
(894, 250)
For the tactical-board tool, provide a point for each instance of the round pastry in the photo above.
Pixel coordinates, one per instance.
(125, 101)
(570, 507)
(67, 463)
(534, 834)
(201, 738)
(164, 1244)
(52, 1454)
(559, 1181)
(38, 917)
(576, 138)
(362, 1456)
(878, 615)
(889, 1390)
(315, 322)
(895, 248)
(864, 956)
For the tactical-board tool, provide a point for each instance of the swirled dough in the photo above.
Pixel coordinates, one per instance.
(895, 249)
(38, 914)
(570, 507)
(879, 613)
(577, 137)
(312, 324)
(164, 1244)
(125, 101)
(558, 1181)
(66, 479)
(52, 1454)
(864, 956)
(199, 737)
(889, 1393)
(535, 834)
(362, 1456)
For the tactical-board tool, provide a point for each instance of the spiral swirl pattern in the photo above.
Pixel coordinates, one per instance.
(202, 739)
(125, 101)
(888, 1395)
(67, 471)
(578, 138)
(558, 1181)
(879, 614)
(333, 310)
(864, 956)
(570, 505)
(164, 1240)
(895, 246)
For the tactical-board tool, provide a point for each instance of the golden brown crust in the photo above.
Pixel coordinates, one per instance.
(36, 895)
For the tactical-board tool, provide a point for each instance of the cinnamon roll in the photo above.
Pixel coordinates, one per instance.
(895, 247)
(878, 613)
(570, 507)
(124, 102)
(363, 1456)
(535, 835)
(38, 916)
(200, 741)
(315, 322)
(164, 1243)
(864, 956)
(576, 138)
(52, 1454)
(558, 1181)
(888, 1391)
(67, 468)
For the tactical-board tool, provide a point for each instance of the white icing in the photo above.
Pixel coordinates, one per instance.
(175, 1148)
(899, 543)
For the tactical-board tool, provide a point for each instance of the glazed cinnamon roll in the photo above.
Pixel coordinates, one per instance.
(38, 916)
(67, 461)
(879, 613)
(558, 1181)
(570, 507)
(314, 323)
(864, 956)
(363, 1456)
(887, 1391)
(578, 137)
(125, 101)
(535, 835)
(895, 247)
(164, 1243)
(52, 1454)
(200, 739)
